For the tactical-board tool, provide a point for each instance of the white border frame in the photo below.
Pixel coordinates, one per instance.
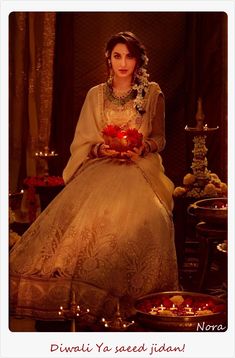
(35, 344)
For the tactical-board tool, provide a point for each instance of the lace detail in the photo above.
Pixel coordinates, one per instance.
(107, 266)
(105, 235)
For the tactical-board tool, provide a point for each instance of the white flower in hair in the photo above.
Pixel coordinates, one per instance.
(141, 86)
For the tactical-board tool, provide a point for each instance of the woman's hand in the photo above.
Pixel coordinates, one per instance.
(106, 151)
(135, 153)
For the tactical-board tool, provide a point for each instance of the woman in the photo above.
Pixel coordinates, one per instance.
(108, 236)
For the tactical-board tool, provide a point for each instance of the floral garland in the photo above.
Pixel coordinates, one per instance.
(141, 85)
(201, 183)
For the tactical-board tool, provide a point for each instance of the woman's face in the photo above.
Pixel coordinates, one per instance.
(123, 63)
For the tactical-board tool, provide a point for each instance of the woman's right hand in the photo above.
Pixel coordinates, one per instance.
(106, 151)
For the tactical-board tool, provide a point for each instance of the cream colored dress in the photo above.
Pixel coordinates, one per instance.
(109, 233)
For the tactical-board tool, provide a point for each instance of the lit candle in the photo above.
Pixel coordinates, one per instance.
(190, 312)
(61, 311)
(173, 308)
(199, 311)
(153, 310)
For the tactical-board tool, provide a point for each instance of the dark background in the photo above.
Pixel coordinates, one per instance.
(188, 58)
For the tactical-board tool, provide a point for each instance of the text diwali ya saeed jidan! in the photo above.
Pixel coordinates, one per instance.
(118, 349)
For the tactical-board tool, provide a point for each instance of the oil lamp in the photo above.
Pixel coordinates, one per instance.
(73, 313)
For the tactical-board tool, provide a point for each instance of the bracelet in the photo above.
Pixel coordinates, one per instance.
(152, 145)
(95, 150)
(147, 147)
(98, 150)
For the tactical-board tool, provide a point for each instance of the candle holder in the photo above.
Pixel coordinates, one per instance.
(200, 132)
(45, 156)
(192, 308)
(201, 182)
(73, 313)
(118, 323)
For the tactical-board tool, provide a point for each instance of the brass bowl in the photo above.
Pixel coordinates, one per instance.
(216, 321)
(213, 210)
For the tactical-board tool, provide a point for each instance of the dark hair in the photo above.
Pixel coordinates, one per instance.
(133, 44)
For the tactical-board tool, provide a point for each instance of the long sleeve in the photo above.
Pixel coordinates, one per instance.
(156, 139)
(87, 134)
(158, 123)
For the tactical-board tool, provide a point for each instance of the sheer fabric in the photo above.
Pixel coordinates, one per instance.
(109, 234)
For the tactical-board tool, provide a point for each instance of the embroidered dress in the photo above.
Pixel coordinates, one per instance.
(108, 235)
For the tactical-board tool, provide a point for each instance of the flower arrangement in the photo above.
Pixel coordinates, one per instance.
(193, 188)
(122, 140)
(201, 183)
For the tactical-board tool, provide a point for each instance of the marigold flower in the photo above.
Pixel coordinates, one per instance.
(189, 179)
(224, 189)
(179, 191)
(210, 190)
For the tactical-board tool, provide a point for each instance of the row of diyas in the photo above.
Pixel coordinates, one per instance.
(51, 153)
(177, 305)
(175, 311)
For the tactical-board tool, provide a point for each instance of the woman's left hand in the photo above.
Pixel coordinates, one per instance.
(135, 153)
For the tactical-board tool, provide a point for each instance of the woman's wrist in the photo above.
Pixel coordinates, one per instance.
(150, 146)
(95, 150)
(147, 147)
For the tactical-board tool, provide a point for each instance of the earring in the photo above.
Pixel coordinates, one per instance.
(110, 81)
(110, 78)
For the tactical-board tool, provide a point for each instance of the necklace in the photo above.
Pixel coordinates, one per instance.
(119, 100)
